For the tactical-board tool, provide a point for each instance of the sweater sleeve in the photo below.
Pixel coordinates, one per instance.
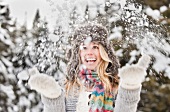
(54, 105)
(127, 100)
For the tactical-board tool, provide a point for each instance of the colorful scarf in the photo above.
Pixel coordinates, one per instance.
(99, 100)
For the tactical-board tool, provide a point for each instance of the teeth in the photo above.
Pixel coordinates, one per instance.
(91, 59)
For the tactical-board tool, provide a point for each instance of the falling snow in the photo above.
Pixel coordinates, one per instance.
(48, 54)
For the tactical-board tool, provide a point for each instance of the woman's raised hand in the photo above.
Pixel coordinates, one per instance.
(132, 76)
(42, 83)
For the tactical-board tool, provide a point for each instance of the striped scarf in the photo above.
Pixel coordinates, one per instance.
(99, 100)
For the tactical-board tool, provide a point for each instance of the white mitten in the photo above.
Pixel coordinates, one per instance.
(132, 76)
(42, 83)
(25, 74)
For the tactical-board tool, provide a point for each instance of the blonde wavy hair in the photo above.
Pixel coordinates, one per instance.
(109, 80)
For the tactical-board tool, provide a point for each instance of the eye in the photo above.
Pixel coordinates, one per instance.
(95, 47)
(84, 47)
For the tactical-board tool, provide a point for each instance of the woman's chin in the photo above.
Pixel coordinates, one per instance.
(91, 67)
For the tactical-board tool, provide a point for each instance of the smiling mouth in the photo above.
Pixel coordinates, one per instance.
(90, 60)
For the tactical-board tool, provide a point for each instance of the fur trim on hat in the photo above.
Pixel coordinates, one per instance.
(97, 33)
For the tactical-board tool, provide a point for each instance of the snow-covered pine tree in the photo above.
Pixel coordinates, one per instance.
(8, 80)
(24, 57)
(26, 100)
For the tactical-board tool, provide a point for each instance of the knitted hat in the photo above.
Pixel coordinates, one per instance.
(97, 33)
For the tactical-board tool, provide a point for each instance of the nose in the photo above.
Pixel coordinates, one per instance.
(89, 52)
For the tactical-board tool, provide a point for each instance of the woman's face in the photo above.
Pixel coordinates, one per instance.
(90, 55)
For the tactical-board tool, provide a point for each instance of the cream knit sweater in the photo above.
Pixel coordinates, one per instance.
(126, 101)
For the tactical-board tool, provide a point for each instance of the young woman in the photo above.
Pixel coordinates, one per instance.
(92, 82)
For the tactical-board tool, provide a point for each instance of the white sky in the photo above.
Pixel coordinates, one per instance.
(26, 9)
(52, 10)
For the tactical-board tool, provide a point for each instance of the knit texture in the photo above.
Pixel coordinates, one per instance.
(127, 100)
(99, 101)
(60, 104)
(55, 104)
